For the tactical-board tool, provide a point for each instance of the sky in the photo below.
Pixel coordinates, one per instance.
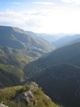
(42, 16)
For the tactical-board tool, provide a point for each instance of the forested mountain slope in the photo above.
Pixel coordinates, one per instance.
(59, 74)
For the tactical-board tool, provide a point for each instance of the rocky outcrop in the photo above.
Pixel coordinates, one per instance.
(33, 85)
(28, 96)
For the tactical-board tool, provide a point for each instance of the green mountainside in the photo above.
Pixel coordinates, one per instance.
(62, 84)
(59, 74)
(68, 54)
(16, 50)
(18, 39)
(8, 78)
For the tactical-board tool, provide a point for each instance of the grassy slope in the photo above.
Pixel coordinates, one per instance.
(8, 94)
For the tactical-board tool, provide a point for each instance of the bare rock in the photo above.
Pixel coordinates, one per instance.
(33, 85)
(29, 97)
(26, 97)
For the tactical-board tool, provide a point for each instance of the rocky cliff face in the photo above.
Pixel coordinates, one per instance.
(27, 97)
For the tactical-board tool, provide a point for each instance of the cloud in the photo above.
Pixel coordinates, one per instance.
(25, 20)
(53, 20)
(76, 2)
(44, 3)
(10, 16)
(36, 13)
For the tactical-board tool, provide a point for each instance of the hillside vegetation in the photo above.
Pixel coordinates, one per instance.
(59, 74)
(61, 83)
(68, 54)
(29, 95)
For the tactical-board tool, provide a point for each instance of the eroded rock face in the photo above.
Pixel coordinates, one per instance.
(28, 97)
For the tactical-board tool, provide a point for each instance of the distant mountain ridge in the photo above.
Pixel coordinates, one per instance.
(49, 38)
(66, 40)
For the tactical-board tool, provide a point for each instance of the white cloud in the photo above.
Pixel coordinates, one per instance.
(76, 2)
(54, 20)
(10, 16)
(25, 20)
(44, 3)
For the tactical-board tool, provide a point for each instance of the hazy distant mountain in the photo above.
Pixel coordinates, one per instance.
(46, 37)
(66, 40)
(77, 39)
(51, 37)
(38, 36)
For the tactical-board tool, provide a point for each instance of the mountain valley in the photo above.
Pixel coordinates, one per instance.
(52, 61)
